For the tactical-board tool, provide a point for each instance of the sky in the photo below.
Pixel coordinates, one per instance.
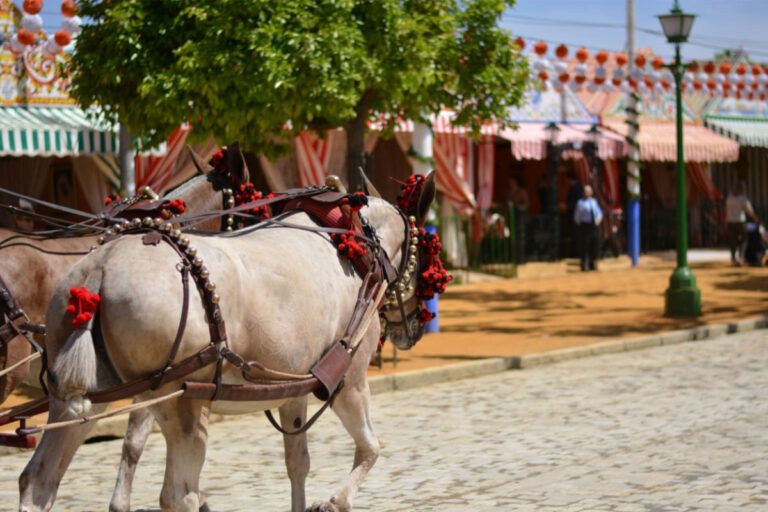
(720, 24)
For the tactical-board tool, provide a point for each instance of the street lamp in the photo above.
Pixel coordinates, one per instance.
(683, 297)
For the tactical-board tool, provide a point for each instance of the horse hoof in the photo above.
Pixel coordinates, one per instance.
(204, 508)
(323, 506)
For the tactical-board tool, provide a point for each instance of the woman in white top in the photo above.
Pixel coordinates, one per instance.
(737, 209)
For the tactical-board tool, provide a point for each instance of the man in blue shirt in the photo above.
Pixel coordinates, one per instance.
(587, 216)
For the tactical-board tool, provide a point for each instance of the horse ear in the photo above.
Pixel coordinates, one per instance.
(202, 168)
(236, 164)
(368, 187)
(426, 197)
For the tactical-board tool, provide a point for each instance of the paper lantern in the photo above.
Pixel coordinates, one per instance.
(558, 86)
(756, 69)
(719, 78)
(540, 64)
(68, 8)
(560, 67)
(591, 87)
(696, 85)
(72, 25)
(657, 63)
(741, 69)
(62, 37)
(575, 86)
(636, 75)
(763, 96)
(15, 45)
(543, 75)
(599, 80)
(693, 67)
(540, 48)
(26, 37)
(561, 51)
(580, 69)
(52, 47)
(520, 42)
(640, 61)
(702, 77)
(621, 59)
(725, 68)
(32, 22)
(741, 86)
(601, 72)
(32, 6)
(563, 77)
(579, 79)
(726, 86)
(709, 67)
(601, 57)
(582, 54)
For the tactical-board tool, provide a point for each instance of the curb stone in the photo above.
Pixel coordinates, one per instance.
(115, 427)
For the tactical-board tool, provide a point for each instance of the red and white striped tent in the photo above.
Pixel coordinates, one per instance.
(452, 152)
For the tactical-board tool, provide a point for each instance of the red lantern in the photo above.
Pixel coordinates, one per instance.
(621, 59)
(26, 37)
(543, 75)
(726, 86)
(62, 38)
(725, 68)
(540, 48)
(579, 79)
(32, 6)
(632, 83)
(696, 85)
(561, 51)
(600, 80)
(756, 70)
(640, 61)
(709, 68)
(564, 77)
(614, 81)
(750, 96)
(694, 67)
(711, 84)
(68, 8)
(582, 54)
(741, 85)
(657, 63)
(666, 85)
(755, 86)
(738, 95)
(741, 69)
(520, 42)
(648, 83)
(601, 57)
(763, 96)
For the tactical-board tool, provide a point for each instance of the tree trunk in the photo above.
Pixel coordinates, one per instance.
(355, 131)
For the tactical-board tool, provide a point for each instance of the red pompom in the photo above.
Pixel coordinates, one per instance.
(82, 304)
(110, 199)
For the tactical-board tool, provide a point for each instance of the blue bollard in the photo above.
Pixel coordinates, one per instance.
(431, 304)
(633, 231)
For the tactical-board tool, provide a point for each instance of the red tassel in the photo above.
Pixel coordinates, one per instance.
(82, 304)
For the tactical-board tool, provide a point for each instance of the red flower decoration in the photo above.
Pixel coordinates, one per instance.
(82, 304)
(218, 163)
(110, 199)
(176, 207)
(426, 316)
(347, 245)
(410, 191)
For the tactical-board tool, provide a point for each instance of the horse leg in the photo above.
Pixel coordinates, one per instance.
(184, 424)
(352, 406)
(139, 427)
(40, 479)
(292, 416)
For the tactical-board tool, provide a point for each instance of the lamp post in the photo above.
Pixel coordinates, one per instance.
(683, 297)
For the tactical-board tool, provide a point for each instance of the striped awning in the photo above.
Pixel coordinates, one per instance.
(747, 132)
(658, 143)
(529, 141)
(52, 131)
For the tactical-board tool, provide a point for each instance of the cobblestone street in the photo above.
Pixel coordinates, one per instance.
(668, 429)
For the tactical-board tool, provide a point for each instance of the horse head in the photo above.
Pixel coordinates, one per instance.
(414, 254)
(211, 188)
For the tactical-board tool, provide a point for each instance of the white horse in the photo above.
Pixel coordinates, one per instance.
(286, 298)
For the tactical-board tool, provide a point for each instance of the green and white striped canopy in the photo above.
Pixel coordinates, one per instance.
(745, 130)
(53, 131)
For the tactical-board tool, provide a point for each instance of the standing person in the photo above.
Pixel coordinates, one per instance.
(587, 216)
(517, 196)
(737, 209)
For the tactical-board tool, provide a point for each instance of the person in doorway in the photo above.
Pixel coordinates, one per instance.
(738, 210)
(587, 217)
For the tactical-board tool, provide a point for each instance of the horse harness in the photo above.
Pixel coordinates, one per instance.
(325, 379)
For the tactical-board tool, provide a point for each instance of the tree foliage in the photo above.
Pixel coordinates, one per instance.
(262, 70)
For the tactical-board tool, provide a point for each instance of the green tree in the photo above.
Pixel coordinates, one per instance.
(261, 71)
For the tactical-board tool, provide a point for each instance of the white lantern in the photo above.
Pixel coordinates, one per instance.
(601, 72)
(719, 78)
(701, 77)
(32, 22)
(619, 74)
(51, 46)
(592, 86)
(580, 69)
(560, 67)
(575, 86)
(636, 75)
(16, 46)
(72, 25)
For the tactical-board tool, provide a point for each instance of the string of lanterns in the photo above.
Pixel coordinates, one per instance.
(31, 28)
(610, 72)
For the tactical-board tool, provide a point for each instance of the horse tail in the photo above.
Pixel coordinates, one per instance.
(76, 365)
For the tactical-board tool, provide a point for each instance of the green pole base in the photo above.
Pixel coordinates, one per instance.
(683, 297)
